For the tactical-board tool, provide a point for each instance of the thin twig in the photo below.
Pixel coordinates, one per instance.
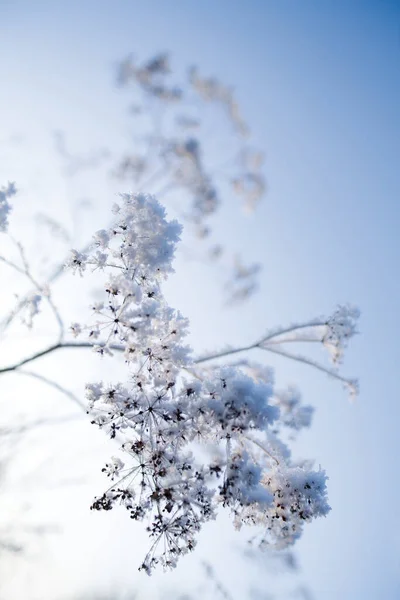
(222, 353)
(40, 289)
(54, 348)
(312, 363)
(269, 340)
(20, 429)
(55, 385)
(290, 329)
(257, 443)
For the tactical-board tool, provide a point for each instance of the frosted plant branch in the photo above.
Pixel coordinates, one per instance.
(165, 410)
(32, 300)
(222, 353)
(350, 383)
(332, 332)
(57, 271)
(54, 348)
(174, 154)
(43, 291)
(169, 408)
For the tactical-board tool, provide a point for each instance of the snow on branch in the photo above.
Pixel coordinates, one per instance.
(169, 412)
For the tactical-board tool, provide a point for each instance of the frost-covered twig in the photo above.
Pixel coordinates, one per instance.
(168, 407)
(332, 332)
(163, 413)
(54, 348)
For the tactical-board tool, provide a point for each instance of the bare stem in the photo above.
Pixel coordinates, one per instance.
(270, 342)
(308, 361)
(55, 385)
(222, 353)
(40, 289)
(263, 448)
(267, 344)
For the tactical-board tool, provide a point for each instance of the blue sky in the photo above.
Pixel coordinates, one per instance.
(320, 85)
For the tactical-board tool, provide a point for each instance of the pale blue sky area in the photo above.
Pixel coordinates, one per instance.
(319, 83)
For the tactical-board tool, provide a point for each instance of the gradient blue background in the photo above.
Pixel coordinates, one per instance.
(319, 83)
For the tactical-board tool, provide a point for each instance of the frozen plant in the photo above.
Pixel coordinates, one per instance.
(170, 408)
(193, 436)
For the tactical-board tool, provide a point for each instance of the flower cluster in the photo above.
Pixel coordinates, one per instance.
(151, 76)
(298, 496)
(340, 327)
(167, 415)
(294, 414)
